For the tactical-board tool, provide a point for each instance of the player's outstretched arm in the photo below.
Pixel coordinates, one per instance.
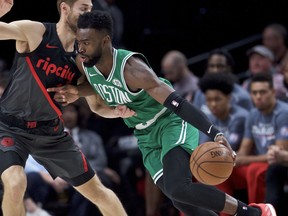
(28, 34)
(98, 105)
(5, 6)
(69, 94)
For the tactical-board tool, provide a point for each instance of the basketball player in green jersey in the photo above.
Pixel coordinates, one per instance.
(150, 106)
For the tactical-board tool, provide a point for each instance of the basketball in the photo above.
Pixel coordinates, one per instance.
(211, 163)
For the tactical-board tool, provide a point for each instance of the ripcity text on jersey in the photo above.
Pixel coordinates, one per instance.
(32, 73)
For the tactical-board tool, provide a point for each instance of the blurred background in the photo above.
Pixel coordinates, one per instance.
(193, 27)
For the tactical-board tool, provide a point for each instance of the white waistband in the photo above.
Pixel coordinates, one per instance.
(151, 121)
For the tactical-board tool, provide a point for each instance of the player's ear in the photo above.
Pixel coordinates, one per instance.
(64, 8)
(106, 40)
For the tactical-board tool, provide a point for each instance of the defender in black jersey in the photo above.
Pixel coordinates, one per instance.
(30, 119)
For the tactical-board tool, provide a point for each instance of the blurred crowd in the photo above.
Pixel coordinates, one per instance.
(252, 113)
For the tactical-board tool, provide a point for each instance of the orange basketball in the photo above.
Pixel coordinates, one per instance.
(211, 163)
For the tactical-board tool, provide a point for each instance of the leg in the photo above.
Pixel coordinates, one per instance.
(187, 209)
(237, 180)
(106, 200)
(176, 183)
(178, 186)
(193, 210)
(153, 197)
(66, 161)
(14, 183)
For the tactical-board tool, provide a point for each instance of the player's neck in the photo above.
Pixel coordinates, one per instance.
(105, 63)
(66, 35)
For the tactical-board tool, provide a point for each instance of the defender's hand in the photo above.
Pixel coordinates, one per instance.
(65, 94)
(5, 6)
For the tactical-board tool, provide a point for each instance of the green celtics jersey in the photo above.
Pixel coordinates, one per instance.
(114, 91)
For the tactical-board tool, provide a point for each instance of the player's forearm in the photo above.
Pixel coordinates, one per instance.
(85, 89)
(191, 114)
(106, 112)
(100, 108)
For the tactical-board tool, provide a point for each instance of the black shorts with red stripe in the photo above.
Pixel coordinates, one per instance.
(55, 150)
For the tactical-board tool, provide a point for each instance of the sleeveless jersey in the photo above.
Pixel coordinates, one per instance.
(114, 91)
(32, 73)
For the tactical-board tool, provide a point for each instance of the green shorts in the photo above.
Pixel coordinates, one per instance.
(167, 133)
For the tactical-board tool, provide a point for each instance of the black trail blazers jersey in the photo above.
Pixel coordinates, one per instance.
(32, 73)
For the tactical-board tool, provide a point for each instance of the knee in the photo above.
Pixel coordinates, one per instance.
(14, 182)
(101, 194)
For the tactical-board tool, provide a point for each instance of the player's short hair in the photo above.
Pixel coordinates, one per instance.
(98, 20)
(262, 77)
(217, 81)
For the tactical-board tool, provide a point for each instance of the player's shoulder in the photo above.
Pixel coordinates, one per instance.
(30, 27)
(28, 23)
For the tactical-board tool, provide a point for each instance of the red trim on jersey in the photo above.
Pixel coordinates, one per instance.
(84, 163)
(43, 89)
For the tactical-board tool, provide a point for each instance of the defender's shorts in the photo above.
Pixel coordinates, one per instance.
(57, 153)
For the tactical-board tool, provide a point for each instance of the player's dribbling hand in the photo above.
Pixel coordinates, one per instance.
(65, 94)
(221, 139)
(5, 6)
(123, 111)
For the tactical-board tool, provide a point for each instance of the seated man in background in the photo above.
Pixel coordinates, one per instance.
(221, 61)
(228, 117)
(274, 37)
(281, 81)
(265, 126)
(261, 60)
(174, 67)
